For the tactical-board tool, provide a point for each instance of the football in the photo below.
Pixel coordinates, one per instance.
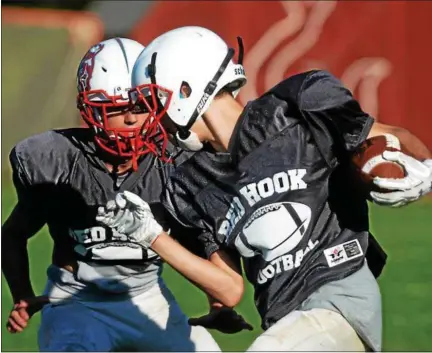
(369, 163)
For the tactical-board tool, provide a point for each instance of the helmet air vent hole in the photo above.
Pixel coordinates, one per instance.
(104, 69)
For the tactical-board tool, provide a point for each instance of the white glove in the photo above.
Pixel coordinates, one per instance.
(418, 181)
(130, 215)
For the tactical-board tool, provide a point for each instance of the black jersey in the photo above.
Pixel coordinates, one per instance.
(283, 197)
(61, 182)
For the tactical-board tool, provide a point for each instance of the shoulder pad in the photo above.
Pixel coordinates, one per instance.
(49, 156)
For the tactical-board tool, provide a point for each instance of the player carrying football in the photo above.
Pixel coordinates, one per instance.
(282, 197)
(104, 292)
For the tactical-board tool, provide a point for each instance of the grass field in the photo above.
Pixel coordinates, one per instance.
(406, 283)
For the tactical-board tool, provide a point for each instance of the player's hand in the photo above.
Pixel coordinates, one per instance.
(130, 215)
(418, 181)
(223, 319)
(23, 311)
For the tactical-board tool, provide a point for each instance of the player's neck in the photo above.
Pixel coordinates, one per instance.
(119, 168)
(221, 118)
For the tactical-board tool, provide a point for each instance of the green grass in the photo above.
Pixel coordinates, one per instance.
(38, 82)
(406, 283)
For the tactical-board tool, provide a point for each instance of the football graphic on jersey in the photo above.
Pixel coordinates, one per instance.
(274, 230)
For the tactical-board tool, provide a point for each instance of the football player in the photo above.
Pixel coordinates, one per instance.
(104, 292)
(273, 181)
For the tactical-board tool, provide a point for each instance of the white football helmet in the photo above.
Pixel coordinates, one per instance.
(191, 57)
(103, 81)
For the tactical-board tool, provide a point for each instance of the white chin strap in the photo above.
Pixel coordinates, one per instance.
(191, 143)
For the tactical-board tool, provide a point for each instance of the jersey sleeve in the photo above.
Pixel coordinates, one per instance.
(332, 110)
(28, 215)
(191, 231)
(20, 179)
(39, 164)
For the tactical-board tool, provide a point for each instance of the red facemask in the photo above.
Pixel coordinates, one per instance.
(127, 143)
(157, 100)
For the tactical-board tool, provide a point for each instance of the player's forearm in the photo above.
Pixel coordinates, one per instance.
(216, 282)
(15, 267)
(228, 261)
(16, 230)
(413, 145)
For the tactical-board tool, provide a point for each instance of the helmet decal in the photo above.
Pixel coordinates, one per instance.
(85, 70)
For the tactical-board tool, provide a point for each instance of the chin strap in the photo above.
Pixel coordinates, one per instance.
(191, 142)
